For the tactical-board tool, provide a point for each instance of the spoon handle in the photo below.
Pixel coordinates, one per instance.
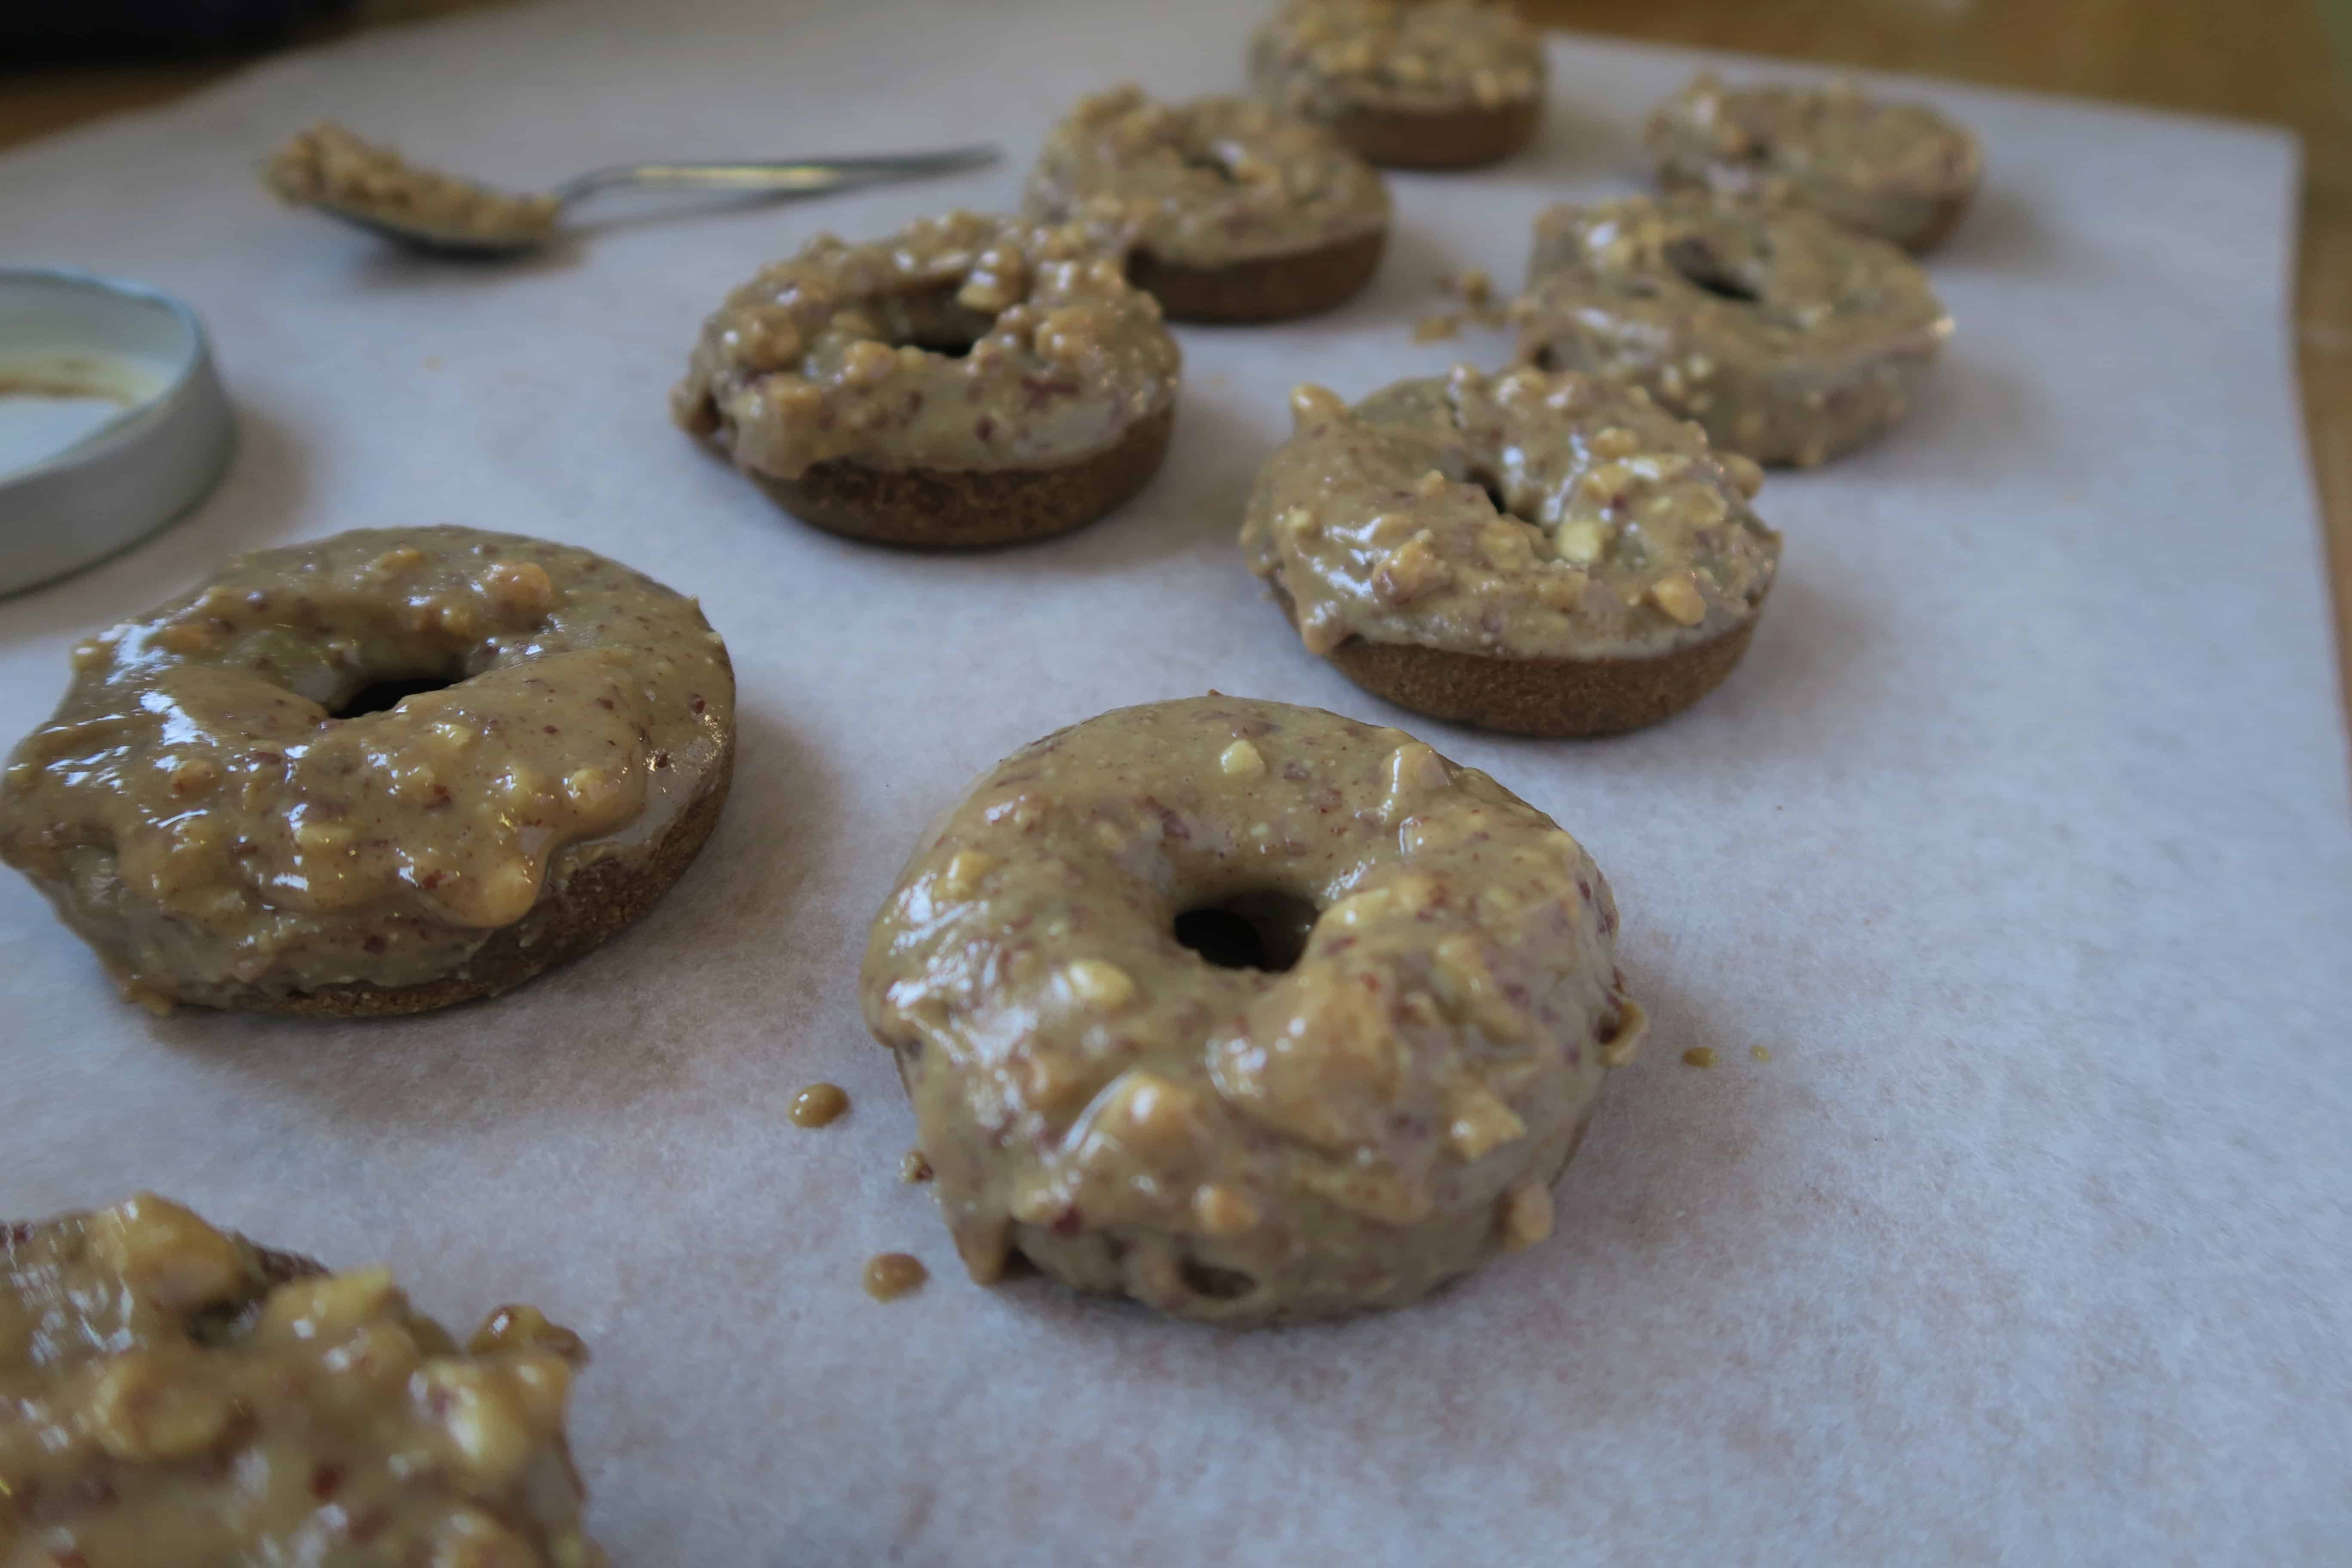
(787, 175)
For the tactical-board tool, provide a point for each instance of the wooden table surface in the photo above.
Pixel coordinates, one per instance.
(2275, 61)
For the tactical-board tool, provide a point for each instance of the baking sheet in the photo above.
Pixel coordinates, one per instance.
(2019, 841)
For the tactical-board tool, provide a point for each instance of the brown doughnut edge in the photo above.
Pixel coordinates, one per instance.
(941, 508)
(593, 905)
(1464, 138)
(1939, 227)
(1263, 288)
(1557, 698)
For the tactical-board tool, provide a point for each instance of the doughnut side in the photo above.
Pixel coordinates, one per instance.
(1193, 1277)
(592, 905)
(1263, 288)
(1553, 698)
(1464, 138)
(937, 509)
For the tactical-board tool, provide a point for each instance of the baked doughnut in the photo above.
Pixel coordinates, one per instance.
(1549, 554)
(1789, 336)
(1229, 211)
(176, 1394)
(1450, 84)
(1899, 171)
(223, 808)
(1250, 1012)
(967, 380)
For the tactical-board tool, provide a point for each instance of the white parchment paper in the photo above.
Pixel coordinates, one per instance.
(2021, 841)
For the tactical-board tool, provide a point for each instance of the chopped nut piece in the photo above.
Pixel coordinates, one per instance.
(1102, 986)
(1241, 760)
(962, 877)
(187, 636)
(1679, 597)
(1415, 768)
(1615, 441)
(1411, 569)
(1582, 543)
(1310, 404)
(1482, 1123)
(1222, 1210)
(1699, 1056)
(1746, 475)
(868, 363)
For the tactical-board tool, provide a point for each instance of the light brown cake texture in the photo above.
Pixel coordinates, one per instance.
(1469, 137)
(1559, 698)
(945, 509)
(205, 811)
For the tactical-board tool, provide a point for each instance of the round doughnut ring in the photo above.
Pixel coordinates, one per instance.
(1230, 211)
(1546, 555)
(1250, 1012)
(1452, 84)
(384, 772)
(1789, 336)
(1899, 171)
(967, 380)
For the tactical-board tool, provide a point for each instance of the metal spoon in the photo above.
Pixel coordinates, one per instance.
(795, 176)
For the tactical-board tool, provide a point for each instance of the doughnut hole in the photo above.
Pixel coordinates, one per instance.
(382, 694)
(932, 319)
(1265, 928)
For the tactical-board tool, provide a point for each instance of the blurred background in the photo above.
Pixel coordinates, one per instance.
(2287, 62)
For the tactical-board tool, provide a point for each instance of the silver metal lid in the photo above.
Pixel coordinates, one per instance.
(112, 421)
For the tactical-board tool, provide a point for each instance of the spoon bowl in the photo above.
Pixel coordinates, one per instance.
(780, 177)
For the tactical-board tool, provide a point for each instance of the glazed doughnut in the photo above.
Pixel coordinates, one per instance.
(1549, 554)
(1250, 1012)
(1899, 171)
(1789, 336)
(1451, 84)
(176, 1394)
(223, 810)
(1229, 211)
(967, 380)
